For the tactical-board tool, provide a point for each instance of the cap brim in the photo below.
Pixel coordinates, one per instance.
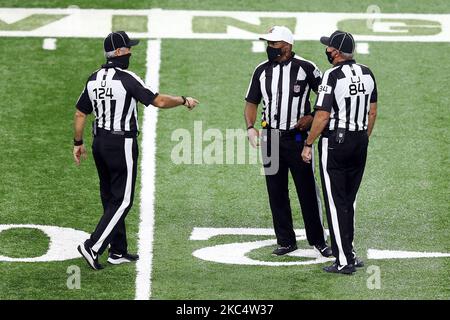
(325, 41)
(269, 37)
(133, 42)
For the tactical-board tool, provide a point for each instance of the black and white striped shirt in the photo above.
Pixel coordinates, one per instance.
(112, 94)
(284, 88)
(346, 92)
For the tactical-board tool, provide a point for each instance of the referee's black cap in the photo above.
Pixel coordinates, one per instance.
(341, 40)
(118, 39)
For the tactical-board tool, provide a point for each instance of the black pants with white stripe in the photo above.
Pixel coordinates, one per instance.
(342, 168)
(289, 159)
(116, 160)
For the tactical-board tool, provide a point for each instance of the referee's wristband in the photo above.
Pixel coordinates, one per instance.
(250, 127)
(184, 100)
(308, 145)
(77, 143)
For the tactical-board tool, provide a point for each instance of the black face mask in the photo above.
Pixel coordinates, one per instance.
(273, 53)
(122, 62)
(330, 59)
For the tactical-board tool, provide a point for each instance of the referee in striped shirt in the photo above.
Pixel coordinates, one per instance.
(283, 83)
(112, 93)
(345, 115)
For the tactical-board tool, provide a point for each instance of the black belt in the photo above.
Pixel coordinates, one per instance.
(287, 133)
(126, 134)
(327, 133)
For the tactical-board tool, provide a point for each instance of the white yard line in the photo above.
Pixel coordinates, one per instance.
(148, 168)
(399, 254)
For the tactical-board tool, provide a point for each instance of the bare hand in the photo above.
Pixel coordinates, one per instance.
(304, 123)
(253, 137)
(307, 154)
(79, 152)
(191, 103)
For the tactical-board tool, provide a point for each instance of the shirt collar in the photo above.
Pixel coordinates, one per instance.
(345, 62)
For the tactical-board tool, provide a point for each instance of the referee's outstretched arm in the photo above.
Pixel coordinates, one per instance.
(165, 101)
(162, 101)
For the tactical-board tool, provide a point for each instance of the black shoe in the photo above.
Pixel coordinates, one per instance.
(117, 258)
(90, 256)
(324, 250)
(359, 263)
(283, 250)
(335, 268)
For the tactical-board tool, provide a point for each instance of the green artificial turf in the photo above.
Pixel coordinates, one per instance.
(402, 205)
(15, 243)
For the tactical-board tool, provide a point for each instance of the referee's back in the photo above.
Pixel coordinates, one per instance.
(346, 92)
(112, 94)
